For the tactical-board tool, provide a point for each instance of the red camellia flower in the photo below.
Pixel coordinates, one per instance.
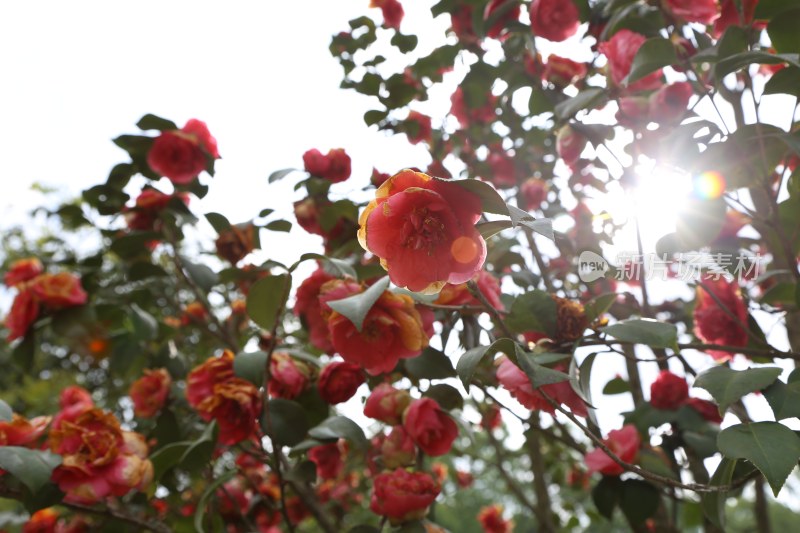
(502, 168)
(307, 307)
(387, 404)
(492, 521)
(634, 111)
(468, 113)
(708, 410)
(555, 20)
(461, 23)
(512, 378)
(401, 495)
(234, 243)
(510, 13)
(714, 324)
(73, 401)
(143, 215)
(149, 392)
(534, 192)
(418, 127)
(214, 391)
(23, 313)
(464, 479)
(99, 459)
(730, 16)
(19, 431)
(335, 166)
(561, 71)
(328, 458)
(430, 427)
(378, 178)
(398, 449)
(488, 285)
(22, 270)
(393, 329)
(288, 377)
(392, 12)
(181, 155)
(624, 443)
(339, 381)
(668, 104)
(423, 230)
(620, 51)
(57, 291)
(668, 391)
(703, 11)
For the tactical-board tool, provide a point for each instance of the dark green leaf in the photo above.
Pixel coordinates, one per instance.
(784, 398)
(251, 366)
(266, 298)
(356, 307)
(447, 396)
(783, 32)
(617, 386)
(586, 99)
(285, 421)
(279, 225)
(152, 122)
(280, 174)
(597, 306)
(767, 9)
(202, 504)
(203, 276)
(145, 327)
(533, 311)
(537, 374)
(607, 494)
(430, 364)
(728, 386)
(199, 452)
(340, 267)
(468, 362)
(639, 500)
(745, 59)
(340, 427)
(405, 43)
(32, 467)
(218, 222)
(644, 331)
(785, 81)
(772, 447)
(167, 457)
(374, 116)
(488, 229)
(714, 502)
(653, 55)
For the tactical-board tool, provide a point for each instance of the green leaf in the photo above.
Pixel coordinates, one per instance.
(339, 266)
(491, 201)
(203, 276)
(145, 327)
(340, 427)
(405, 43)
(644, 331)
(617, 386)
(542, 226)
(784, 398)
(153, 122)
(279, 225)
(251, 366)
(606, 495)
(285, 421)
(772, 447)
(714, 502)
(745, 59)
(6, 413)
(728, 386)
(219, 222)
(584, 389)
(639, 500)
(202, 504)
(356, 307)
(533, 311)
(280, 174)
(199, 451)
(32, 467)
(167, 457)
(537, 374)
(597, 306)
(768, 9)
(785, 81)
(447, 396)
(488, 229)
(374, 116)
(468, 362)
(585, 99)
(783, 32)
(266, 298)
(654, 54)
(430, 364)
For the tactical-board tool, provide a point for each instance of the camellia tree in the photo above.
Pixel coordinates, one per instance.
(432, 366)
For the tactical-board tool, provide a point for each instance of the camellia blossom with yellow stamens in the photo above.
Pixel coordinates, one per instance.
(423, 231)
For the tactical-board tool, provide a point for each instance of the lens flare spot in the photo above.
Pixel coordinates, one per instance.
(464, 250)
(708, 185)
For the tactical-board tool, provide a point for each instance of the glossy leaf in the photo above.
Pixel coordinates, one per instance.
(586, 99)
(285, 421)
(356, 307)
(653, 55)
(468, 362)
(251, 366)
(784, 398)
(644, 331)
(266, 298)
(533, 311)
(728, 386)
(153, 122)
(430, 364)
(639, 500)
(714, 502)
(32, 467)
(6, 412)
(340, 427)
(280, 174)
